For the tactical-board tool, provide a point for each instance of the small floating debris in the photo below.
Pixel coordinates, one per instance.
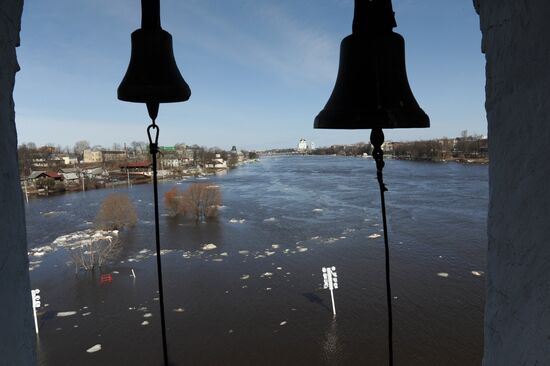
(210, 246)
(374, 236)
(93, 349)
(63, 314)
(443, 274)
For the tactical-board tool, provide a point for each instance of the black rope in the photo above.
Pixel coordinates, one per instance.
(377, 139)
(153, 149)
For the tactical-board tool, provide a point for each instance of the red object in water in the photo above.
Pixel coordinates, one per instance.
(106, 278)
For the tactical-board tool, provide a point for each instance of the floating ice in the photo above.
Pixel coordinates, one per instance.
(271, 219)
(301, 249)
(443, 274)
(245, 277)
(178, 310)
(268, 288)
(147, 315)
(267, 252)
(115, 272)
(230, 331)
(315, 237)
(86, 314)
(374, 236)
(244, 252)
(145, 322)
(279, 268)
(317, 210)
(209, 246)
(217, 260)
(62, 314)
(143, 251)
(267, 274)
(275, 246)
(283, 323)
(237, 221)
(224, 254)
(477, 273)
(93, 349)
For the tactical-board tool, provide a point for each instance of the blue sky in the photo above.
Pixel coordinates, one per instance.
(259, 70)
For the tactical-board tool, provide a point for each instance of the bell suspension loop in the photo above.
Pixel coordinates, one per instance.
(153, 149)
(377, 139)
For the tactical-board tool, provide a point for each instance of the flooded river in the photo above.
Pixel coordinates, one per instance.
(257, 298)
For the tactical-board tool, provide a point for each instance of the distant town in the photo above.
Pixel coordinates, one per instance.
(52, 169)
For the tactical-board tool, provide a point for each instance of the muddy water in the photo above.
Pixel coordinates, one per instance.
(257, 299)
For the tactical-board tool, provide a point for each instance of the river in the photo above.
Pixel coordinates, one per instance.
(257, 299)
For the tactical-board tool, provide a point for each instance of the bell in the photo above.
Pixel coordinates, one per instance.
(372, 90)
(152, 75)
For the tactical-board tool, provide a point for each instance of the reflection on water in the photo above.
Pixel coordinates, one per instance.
(257, 298)
(331, 345)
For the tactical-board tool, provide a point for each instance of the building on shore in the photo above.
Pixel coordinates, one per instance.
(302, 146)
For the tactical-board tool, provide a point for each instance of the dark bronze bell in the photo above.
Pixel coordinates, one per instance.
(372, 90)
(152, 75)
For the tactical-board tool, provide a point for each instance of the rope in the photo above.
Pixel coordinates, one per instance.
(153, 149)
(377, 139)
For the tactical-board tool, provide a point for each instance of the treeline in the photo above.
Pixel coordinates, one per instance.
(357, 149)
(461, 148)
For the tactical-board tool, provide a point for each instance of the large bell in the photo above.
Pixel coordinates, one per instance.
(152, 75)
(372, 90)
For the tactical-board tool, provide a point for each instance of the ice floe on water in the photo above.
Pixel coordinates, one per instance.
(178, 310)
(268, 253)
(301, 249)
(275, 246)
(237, 221)
(217, 260)
(317, 210)
(147, 315)
(477, 273)
(374, 236)
(271, 219)
(209, 246)
(244, 252)
(94, 348)
(443, 274)
(245, 277)
(145, 322)
(63, 314)
(283, 323)
(267, 274)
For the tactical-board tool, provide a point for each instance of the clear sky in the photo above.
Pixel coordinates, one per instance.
(259, 70)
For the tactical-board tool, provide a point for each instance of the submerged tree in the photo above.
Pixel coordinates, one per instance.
(94, 251)
(116, 212)
(200, 200)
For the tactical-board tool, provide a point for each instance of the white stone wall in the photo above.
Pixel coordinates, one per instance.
(516, 41)
(17, 339)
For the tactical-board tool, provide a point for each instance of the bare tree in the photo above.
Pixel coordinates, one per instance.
(200, 200)
(94, 251)
(116, 212)
(173, 201)
(80, 146)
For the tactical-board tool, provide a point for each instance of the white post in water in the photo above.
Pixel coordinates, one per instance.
(35, 305)
(331, 282)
